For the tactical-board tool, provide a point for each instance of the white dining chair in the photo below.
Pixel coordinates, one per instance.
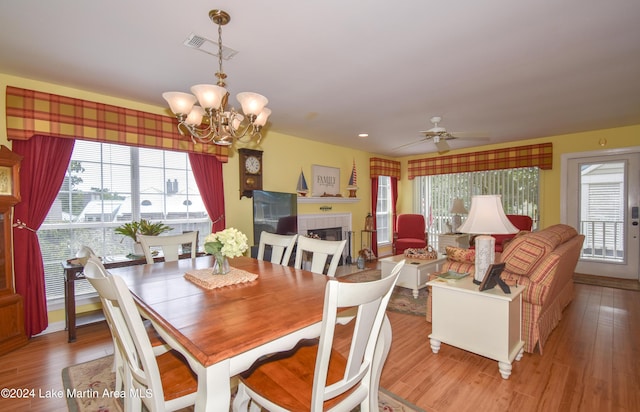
(170, 244)
(338, 383)
(319, 251)
(281, 247)
(143, 371)
(94, 269)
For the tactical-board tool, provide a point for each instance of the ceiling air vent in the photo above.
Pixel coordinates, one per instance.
(208, 46)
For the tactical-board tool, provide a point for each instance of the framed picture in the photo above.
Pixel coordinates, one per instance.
(492, 278)
(326, 181)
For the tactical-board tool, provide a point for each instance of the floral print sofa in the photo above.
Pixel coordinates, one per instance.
(543, 262)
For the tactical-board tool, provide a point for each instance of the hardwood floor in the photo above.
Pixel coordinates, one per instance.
(591, 362)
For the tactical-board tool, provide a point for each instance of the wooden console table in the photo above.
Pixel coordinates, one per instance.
(74, 272)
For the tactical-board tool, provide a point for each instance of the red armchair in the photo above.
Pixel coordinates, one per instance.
(410, 233)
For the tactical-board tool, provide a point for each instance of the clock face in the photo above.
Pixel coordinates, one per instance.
(252, 164)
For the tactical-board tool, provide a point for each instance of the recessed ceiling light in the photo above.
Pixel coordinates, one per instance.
(363, 135)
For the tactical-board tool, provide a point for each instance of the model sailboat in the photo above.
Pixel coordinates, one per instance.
(302, 187)
(353, 181)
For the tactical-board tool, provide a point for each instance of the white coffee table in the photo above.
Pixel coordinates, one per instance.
(486, 323)
(415, 272)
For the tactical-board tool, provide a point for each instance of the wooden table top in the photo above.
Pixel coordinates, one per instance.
(218, 324)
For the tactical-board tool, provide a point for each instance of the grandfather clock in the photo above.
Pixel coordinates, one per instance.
(12, 334)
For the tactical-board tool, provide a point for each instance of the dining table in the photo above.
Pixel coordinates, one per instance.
(223, 331)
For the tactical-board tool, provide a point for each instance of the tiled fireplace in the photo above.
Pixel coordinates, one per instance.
(310, 222)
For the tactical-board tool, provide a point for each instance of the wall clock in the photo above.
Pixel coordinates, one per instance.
(250, 162)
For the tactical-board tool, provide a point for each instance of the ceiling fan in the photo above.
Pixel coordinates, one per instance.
(439, 135)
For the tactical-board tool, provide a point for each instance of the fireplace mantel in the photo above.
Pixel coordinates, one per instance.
(329, 199)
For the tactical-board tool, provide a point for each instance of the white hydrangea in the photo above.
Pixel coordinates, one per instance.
(230, 242)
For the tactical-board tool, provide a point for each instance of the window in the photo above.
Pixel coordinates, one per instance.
(433, 195)
(107, 185)
(384, 214)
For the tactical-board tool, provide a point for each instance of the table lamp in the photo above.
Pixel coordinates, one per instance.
(486, 217)
(457, 209)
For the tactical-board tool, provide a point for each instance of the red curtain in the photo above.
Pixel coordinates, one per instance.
(41, 174)
(207, 171)
(374, 208)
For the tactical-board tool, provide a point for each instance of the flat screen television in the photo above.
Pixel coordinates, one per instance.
(274, 212)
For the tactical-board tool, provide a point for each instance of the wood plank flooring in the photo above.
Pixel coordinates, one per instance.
(591, 362)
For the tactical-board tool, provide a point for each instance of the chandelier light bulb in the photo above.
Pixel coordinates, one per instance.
(179, 103)
(209, 96)
(261, 120)
(252, 103)
(195, 116)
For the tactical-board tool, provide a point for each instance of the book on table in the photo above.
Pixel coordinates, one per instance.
(452, 276)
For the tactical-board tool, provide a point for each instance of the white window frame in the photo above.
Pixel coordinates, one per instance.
(54, 247)
(384, 212)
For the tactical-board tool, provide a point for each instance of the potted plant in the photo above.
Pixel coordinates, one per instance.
(141, 227)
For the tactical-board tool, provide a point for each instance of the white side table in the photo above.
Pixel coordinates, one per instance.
(487, 323)
(415, 272)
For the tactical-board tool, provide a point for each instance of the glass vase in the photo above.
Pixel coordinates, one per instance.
(220, 264)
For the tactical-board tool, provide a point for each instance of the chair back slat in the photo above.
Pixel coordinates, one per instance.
(170, 245)
(281, 247)
(319, 252)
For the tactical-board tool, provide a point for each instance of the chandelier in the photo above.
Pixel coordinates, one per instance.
(211, 121)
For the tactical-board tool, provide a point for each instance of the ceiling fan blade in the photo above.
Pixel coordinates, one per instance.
(429, 133)
(411, 143)
(470, 135)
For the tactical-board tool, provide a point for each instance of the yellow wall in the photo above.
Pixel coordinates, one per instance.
(284, 157)
(549, 179)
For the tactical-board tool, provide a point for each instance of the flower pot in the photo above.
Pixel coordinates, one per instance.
(137, 249)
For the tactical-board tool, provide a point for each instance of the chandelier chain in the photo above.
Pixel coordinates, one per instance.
(220, 75)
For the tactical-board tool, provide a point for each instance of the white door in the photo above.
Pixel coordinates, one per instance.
(602, 193)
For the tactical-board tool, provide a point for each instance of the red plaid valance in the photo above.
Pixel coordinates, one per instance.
(540, 155)
(32, 113)
(384, 167)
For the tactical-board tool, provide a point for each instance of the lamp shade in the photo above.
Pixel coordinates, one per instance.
(487, 217)
(209, 95)
(457, 207)
(179, 103)
(252, 103)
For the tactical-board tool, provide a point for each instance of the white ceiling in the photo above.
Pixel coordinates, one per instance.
(332, 69)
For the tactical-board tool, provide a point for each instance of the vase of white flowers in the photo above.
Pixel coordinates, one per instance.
(225, 244)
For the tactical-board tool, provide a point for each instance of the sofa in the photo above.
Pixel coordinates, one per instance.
(544, 263)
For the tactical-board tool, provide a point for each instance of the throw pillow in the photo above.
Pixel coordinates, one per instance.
(458, 254)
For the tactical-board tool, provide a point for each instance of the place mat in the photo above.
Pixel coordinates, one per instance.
(206, 278)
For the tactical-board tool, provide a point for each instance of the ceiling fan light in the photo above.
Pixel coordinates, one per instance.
(442, 146)
(179, 103)
(209, 95)
(252, 103)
